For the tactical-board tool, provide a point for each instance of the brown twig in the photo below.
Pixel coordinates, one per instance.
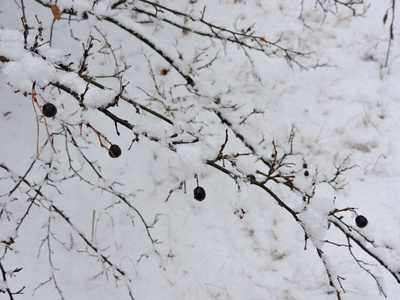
(100, 136)
(33, 93)
(47, 129)
(34, 101)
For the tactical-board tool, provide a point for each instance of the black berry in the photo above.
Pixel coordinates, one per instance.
(251, 178)
(115, 151)
(306, 173)
(361, 221)
(305, 166)
(49, 110)
(199, 193)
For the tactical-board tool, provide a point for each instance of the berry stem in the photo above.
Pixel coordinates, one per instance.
(33, 94)
(34, 101)
(47, 128)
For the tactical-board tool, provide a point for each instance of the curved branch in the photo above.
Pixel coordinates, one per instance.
(281, 203)
(340, 225)
(221, 33)
(173, 62)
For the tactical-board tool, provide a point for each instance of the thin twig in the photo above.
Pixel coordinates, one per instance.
(391, 35)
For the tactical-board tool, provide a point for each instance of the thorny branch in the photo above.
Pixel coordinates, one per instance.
(274, 165)
(217, 32)
(153, 46)
(293, 213)
(273, 174)
(361, 241)
(353, 5)
(107, 260)
(220, 168)
(109, 189)
(357, 7)
(361, 265)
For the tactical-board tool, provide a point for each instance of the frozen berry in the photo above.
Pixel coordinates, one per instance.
(49, 110)
(361, 221)
(115, 151)
(306, 173)
(199, 193)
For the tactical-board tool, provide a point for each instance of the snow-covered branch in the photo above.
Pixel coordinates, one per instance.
(136, 102)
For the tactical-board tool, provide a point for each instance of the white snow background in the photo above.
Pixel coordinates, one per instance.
(337, 107)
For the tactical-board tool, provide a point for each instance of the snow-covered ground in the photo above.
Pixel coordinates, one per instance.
(84, 225)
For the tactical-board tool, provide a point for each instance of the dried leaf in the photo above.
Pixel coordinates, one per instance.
(164, 71)
(56, 12)
(385, 17)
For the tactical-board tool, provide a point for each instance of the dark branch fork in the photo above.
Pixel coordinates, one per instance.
(4, 277)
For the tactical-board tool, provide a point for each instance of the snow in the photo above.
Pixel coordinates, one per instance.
(191, 159)
(3, 286)
(12, 44)
(314, 218)
(27, 70)
(333, 113)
